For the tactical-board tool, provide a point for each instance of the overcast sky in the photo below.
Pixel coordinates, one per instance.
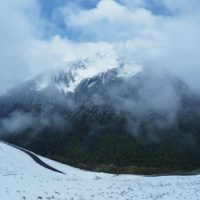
(37, 35)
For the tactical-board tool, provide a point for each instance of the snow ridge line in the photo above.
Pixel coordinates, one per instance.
(34, 157)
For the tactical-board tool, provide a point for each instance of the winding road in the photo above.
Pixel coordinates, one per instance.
(35, 158)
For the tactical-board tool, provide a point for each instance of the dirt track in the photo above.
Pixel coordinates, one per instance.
(35, 158)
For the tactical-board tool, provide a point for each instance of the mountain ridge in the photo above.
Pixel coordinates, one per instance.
(141, 118)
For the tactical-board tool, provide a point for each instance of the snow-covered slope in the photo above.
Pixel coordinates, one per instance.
(22, 178)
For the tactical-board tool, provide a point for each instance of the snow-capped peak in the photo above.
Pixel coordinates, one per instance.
(127, 69)
(89, 68)
(69, 76)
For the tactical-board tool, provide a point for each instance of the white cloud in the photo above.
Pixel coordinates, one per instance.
(57, 52)
(181, 52)
(129, 29)
(23, 54)
(110, 21)
(16, 36)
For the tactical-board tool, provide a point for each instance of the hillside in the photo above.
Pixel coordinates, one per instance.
(138, 121)
(22, 178)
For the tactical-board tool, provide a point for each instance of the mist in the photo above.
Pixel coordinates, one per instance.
(21, 122)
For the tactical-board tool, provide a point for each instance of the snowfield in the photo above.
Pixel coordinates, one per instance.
(22, 178)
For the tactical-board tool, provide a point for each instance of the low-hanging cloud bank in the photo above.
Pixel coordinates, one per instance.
(129, 28)
(20, 122)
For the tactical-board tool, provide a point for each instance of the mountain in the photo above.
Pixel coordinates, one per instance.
(105, 110)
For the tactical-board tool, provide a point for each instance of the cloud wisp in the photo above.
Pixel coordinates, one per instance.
(20, 122)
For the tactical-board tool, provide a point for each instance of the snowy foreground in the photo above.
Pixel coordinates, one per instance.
(22, 178)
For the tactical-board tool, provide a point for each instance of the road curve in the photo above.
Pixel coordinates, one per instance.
(34, 157)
